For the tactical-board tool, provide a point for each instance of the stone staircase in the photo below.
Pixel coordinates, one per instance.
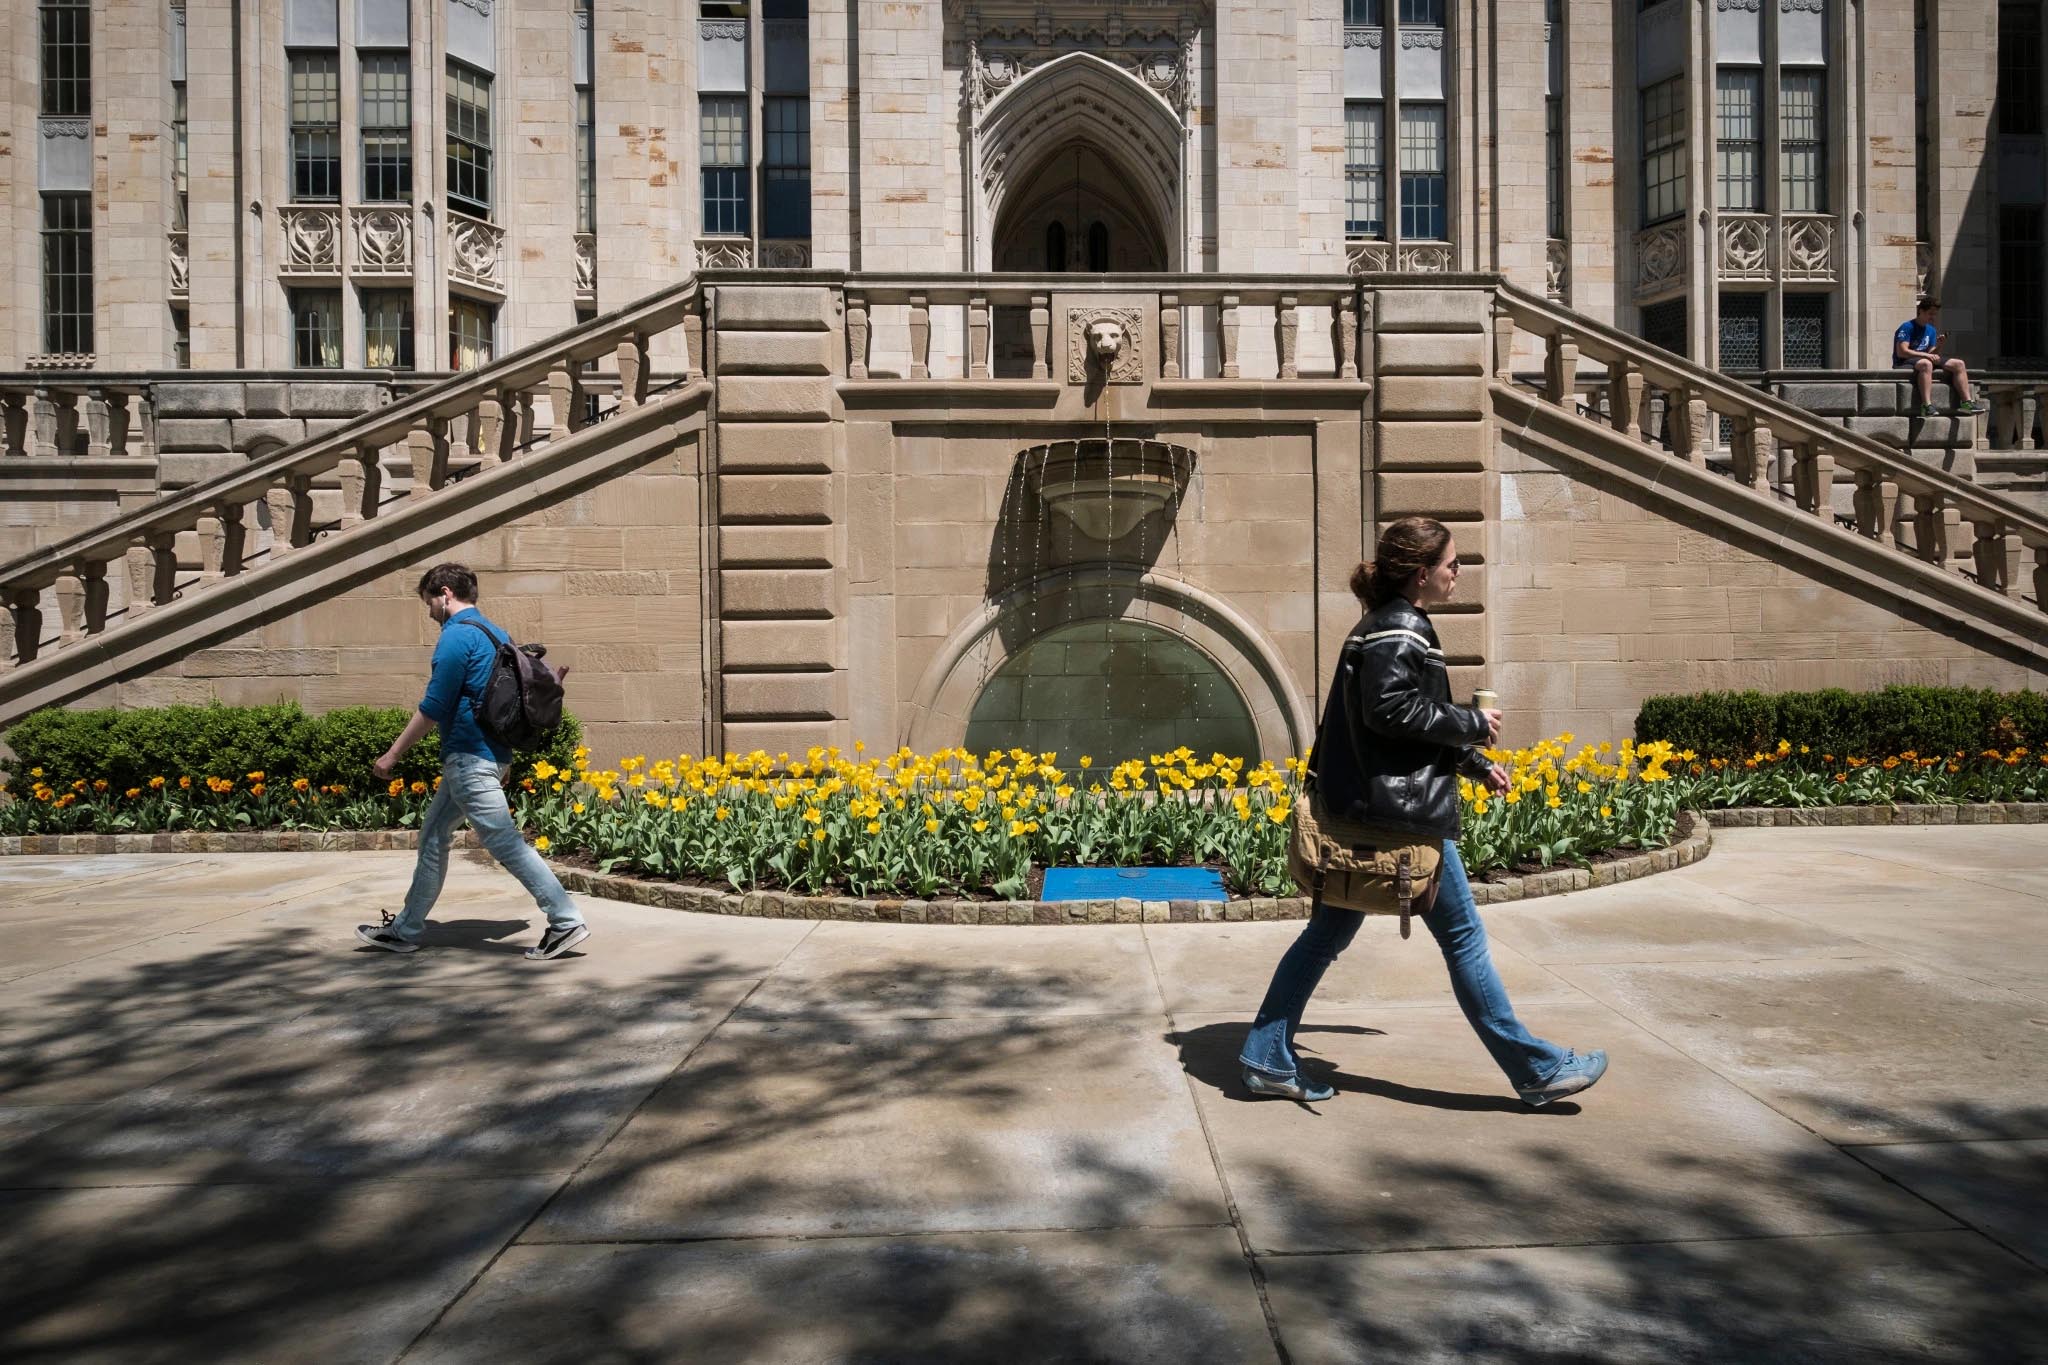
(314, 518)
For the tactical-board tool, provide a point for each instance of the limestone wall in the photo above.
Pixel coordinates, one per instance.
(1599, 600)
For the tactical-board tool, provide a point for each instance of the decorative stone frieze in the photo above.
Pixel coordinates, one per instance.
(1111, 337)
(586, 266)
(181, 265)
(1155, 47)
(482, 7)
(786, 254)
(1362, 37)
(1810, 6)
(1366, 258)
(722, 30)
(312, 239)
(1750, 6)
(1557, 265)
(1431, 38)
(1744, 250)
(1426, 258)
(1809, 248)
(1660, 258)
(476, 252)
(724, 253)
(383, 241)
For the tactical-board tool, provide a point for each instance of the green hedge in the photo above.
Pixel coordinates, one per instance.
(1927, 720)
(127, 748)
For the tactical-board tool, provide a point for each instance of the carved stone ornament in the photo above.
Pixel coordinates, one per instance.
(586, 265)
(1660, 257)
(786, 255)
(722, 30)
(482, 7)
(1109, 339)
(1809, 248)
(1557, 264)
(1426, 258)
(1751, 6)
(312, 240)
(719, 253)
(1810, 6)
(1362, 37)
(181, 266)
(1153, 42)
(1745, 252)
(67, 127)
(1366, 258)
(476, 252)
(1422, 37)
(1923, 267)
(383, 241)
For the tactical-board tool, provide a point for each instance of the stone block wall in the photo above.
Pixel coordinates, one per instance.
(1599, 600)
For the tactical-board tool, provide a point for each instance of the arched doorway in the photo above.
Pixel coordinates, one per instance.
(1084, 145)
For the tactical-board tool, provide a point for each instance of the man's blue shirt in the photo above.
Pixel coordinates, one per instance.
(1917, 335)
(463, 658)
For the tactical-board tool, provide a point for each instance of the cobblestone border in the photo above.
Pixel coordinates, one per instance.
(1823, 817)
(1690, 848)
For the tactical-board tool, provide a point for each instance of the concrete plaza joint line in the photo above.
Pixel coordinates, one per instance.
(227, 1134)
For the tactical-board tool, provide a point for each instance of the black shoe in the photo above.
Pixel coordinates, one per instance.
(555, 942)
(379, 937)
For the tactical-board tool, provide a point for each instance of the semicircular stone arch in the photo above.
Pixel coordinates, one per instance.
(1081, 99)
(1156, 610)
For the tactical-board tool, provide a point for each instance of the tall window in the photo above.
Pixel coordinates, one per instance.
(387, 329)
(316, 329)
(469, 140)
(2022, 333)
(1922, 213)
(1422, 172)
(67, 273)
(1663, 143)
(67, 56)
(1806, 331)
(316, 126)
(1362, 13)
(1664, 325)
(1738, 145)
(723, 147)
(1742, 332)
(1553, 165)
(786, 166)
(469, 334)
(1364, 169)
(2019, 68)
(1422, 13)
(586, 161)
(1056, 246)
(1802, 142)
(181, 339)
(385, 113)
(181, 158)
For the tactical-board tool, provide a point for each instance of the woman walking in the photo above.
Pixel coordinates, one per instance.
(1390, 752)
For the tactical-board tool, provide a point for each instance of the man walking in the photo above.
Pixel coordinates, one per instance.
(1915, 347)
(474, 766)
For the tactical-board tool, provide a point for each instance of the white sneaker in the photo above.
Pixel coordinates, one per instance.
(555, 942)
(377, 936)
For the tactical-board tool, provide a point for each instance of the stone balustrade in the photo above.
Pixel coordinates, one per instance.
(468, 421)
(78, 415)
(1778, 448)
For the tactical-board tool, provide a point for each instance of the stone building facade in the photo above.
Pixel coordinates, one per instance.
(415, 184)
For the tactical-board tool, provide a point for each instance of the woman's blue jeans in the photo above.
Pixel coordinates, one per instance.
(1454, 919)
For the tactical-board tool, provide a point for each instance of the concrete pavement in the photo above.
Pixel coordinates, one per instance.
(228, 1133)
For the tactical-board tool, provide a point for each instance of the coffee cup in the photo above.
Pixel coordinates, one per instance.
(1486, 700)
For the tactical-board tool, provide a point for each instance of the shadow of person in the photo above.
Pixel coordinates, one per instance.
(1209, 1055)
(490, 935)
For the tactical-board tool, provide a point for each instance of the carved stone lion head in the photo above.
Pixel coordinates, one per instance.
(1105, 340)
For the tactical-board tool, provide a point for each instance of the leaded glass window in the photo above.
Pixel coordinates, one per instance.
(723, 156)
(1364, 169)
(315, 126)
(1423, 210)
(1663, 154)
(387, 329)
(786, 166)
(470, 325)
(67, 57)
(1802, 142)
(1806, 331)
(469, 140)
(385, 113)
(1742, 331)
(67, 273)
(316, 329)
(1738, 144)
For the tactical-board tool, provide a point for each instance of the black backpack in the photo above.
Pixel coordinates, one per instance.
(523, 700)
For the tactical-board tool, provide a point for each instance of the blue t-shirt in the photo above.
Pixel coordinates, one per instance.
(463, 658)
(1917, 335)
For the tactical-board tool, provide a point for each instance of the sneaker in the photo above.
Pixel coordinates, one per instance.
(377, 936)
(1926, 410)
(555, 942)
(1293, 1088)
(1581, 1070)
(1970, 408)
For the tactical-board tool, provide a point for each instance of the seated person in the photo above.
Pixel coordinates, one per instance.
(1915, 347)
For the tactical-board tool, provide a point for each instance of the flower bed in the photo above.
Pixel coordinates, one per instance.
(1796, 775)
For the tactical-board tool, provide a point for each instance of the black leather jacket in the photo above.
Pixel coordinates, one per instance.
(1392, 746)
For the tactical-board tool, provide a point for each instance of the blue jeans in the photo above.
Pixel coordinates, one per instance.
(1454, 919)
(472, 786)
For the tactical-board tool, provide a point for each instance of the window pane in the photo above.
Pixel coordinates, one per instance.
(1362, 13)
(1664, 325)
(387, 91)
(469, 140)
(315, 103)
(1364, 166)
(1806, 331)
(181, 157)
(1553, 165)
(1422, 171)
(1802, 145)
(1663, 166)
(67, 274)
(2019, 67)
(786, 168)
(387, 329)
(1426, 13)
(723, 148)
(586, 161)
(2021, 330)
(469, 334)
(316, 328)
(1742, 331)
(1738, 153)
(67, 57)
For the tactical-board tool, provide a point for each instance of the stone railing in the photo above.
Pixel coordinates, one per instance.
(479, 419)
(1183, 303)
(2019, 411)
(91, 415)
(1917, 509)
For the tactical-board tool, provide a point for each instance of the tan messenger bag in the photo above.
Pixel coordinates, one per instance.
(1356, 866)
